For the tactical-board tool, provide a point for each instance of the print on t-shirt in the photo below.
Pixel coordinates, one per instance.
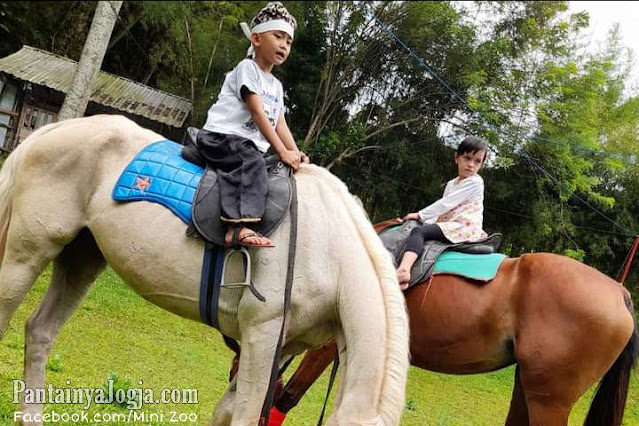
(270, 104)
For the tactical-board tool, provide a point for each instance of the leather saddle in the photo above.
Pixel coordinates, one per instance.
(394, 238)
(206, 210)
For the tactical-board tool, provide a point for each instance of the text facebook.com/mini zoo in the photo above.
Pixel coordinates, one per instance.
(133, 416)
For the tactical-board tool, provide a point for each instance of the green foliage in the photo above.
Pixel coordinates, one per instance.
(562, 175)
(575, 254)
(54, 363)
(118, 385)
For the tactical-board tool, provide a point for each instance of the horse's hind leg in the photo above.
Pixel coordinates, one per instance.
(27, 252)
(518, 413)
(74, 270)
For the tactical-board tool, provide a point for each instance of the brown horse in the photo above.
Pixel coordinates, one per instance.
(564, 324)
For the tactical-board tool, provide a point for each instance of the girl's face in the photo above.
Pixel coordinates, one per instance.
(469, 163)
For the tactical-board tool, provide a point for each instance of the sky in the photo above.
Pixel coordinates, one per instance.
(603, 15)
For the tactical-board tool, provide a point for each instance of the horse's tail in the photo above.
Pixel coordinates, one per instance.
(609, 402)
(391, 401)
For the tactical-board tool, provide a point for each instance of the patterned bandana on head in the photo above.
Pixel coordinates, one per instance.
(273, 17)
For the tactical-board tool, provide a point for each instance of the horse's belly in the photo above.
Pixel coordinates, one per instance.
(463, 359)
(146, 246)
(460, 327)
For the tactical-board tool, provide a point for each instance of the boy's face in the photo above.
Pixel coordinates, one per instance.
(469, 163)
(272, 46)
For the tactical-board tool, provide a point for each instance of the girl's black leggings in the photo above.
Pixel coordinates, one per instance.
(422, 233)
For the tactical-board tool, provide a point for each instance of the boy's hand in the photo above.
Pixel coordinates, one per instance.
(305, 158)
(291, 158)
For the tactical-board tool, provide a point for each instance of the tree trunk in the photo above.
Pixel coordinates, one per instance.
(208, 70)
(191, 69)
(86, 73)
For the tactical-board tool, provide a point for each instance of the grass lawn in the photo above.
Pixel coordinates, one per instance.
(118, 334)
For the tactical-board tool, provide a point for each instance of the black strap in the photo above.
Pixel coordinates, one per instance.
(234, 243)
(292, 243)
(206, 285)
(285, 366)
(331, 381)
(218, 263)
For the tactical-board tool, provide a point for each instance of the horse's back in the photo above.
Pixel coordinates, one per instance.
(546, 280)
(64, 184)
(538, 300)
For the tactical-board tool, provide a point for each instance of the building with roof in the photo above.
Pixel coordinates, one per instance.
(34, 82)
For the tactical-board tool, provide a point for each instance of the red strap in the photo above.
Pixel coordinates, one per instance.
(276, 418)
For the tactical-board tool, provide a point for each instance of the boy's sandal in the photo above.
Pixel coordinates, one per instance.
(237, 241)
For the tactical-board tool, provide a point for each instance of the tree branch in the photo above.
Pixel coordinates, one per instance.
(348, 152)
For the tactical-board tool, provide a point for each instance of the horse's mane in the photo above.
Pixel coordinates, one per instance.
(397, 351)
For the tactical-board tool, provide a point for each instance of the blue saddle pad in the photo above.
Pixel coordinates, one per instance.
(482, 267)
(159, 174)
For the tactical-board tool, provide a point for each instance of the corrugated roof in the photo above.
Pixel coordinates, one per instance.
(50, 70)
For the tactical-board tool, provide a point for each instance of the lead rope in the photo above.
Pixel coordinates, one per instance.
(628, 262)
(292, 243)
(331, 381)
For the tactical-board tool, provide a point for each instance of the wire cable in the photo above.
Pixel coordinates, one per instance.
(456, 95)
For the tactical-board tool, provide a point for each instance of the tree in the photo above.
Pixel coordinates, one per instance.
(77, 99)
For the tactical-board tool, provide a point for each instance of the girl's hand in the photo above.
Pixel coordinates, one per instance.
(412, 216)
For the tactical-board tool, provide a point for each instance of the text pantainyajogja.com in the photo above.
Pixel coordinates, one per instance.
(134, 398)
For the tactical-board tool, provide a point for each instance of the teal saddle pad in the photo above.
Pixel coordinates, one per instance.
(481, 267)
(159, 174)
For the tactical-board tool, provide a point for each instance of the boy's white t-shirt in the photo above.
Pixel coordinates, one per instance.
(230, 114)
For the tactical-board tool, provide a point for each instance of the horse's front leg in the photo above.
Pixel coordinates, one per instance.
(259, 343)
(224, 408)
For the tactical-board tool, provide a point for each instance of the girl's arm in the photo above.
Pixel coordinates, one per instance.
(466, 190)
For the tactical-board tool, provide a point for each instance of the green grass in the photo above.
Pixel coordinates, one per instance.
(118, 334)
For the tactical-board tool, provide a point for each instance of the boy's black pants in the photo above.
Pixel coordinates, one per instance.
(241, 173)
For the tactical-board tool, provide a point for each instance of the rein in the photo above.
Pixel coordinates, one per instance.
(628, 262)
(331, 381)
(292, 243)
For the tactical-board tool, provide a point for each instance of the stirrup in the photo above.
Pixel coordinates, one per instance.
(247, 275)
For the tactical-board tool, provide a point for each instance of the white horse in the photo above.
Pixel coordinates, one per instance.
(55, 205)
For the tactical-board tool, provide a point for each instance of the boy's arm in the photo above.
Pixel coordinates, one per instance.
(286, 136)
(256, 108)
